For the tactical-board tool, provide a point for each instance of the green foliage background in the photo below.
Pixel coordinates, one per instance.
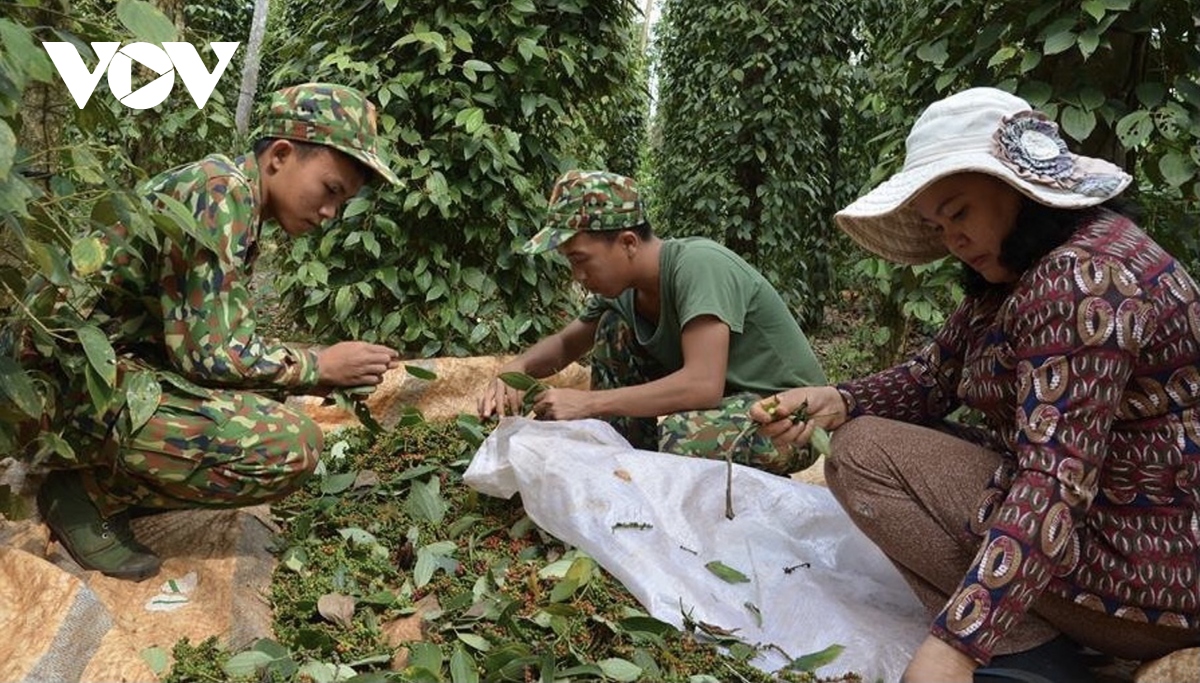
(1121, 77)
(757, 142)
(486, 103)
(65, 172)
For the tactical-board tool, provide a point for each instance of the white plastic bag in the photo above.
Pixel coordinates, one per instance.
(815, 580)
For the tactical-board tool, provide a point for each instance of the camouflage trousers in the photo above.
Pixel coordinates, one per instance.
(214, 448)
(619, 361)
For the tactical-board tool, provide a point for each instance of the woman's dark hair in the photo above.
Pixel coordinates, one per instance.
(1040, 229)
(642, 230)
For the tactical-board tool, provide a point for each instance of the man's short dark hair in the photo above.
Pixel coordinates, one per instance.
(306, 149)
(642, 230)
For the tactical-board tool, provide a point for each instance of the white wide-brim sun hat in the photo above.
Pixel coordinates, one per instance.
(983, 130)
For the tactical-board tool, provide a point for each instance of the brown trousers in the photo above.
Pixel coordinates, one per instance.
(912, 490)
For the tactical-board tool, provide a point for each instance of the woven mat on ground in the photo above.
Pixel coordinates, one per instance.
(62, 623)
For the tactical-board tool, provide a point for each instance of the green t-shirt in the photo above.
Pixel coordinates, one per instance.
(767, 350)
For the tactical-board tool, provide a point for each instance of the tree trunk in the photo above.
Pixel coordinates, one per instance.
(174, 10)
(649, 7)
(249, 87)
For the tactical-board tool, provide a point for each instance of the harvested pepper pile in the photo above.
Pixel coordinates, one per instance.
(392, 569)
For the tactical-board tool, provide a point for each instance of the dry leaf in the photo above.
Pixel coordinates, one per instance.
(336, 608)
(366, 479)
(623, 475)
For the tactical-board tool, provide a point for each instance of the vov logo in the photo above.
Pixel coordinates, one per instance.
(118, 61)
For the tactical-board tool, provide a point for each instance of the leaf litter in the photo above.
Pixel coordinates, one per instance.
(387, 539)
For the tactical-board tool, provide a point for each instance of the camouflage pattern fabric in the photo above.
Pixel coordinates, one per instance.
(618, 361)
(223, 449)
(187, 304)
(328, 114)
(183, 310)
(588, 200)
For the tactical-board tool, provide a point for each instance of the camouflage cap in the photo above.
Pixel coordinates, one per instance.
(328, 114)
(584, 201)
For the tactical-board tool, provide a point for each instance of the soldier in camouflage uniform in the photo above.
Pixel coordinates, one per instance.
(680, 329)
(183, 312)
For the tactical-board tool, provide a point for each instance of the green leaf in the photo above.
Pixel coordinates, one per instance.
(811, 662)
(1095, 8)
(519, 381)
(525, 6)
(726, 573)
(420, 372)
(246, 664)
(99, 353)
(86, 165)
(27, 59)
(1059, 42)
(355, 207)
(935, 53)
(462, 666)
(1176, 168)
(425, 501)
(1078, 123)
(1030, 60)
(1134, 129)
(143, 393)
(563, 590)
(427, 656)
(1089, 40)
(470, 119)
(146, 22)
(100, 393)
(318, 672)
(156, 658)
(8, 148)
(474, 641)
(88, 254)
(358, 536)
(477, 65)
(620, 669)
(429, 559)
(337, 483)
(820, 440)
(19, 388)
(1091, 97)
(53, 444)
(1151, 94)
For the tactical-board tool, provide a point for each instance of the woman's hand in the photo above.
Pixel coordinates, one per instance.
(823, 406)
(935, 660)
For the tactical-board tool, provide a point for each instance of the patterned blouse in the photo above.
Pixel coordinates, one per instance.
(1087, 373)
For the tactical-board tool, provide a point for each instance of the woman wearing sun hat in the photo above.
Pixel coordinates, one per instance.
(1072, 517)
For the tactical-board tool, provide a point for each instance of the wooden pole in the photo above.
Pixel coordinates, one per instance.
(249, 86)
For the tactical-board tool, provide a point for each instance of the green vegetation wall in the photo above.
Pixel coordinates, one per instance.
(757, 142)
(1121, 77)
(64, 172)
(483, 103)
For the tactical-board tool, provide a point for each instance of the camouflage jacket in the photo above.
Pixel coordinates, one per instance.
(186, 306)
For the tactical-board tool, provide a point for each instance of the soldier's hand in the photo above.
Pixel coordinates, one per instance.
(499, 399)
(564, 404)
(355, 363)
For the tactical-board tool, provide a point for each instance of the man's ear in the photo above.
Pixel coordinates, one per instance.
(276, 154)
(628, 239)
